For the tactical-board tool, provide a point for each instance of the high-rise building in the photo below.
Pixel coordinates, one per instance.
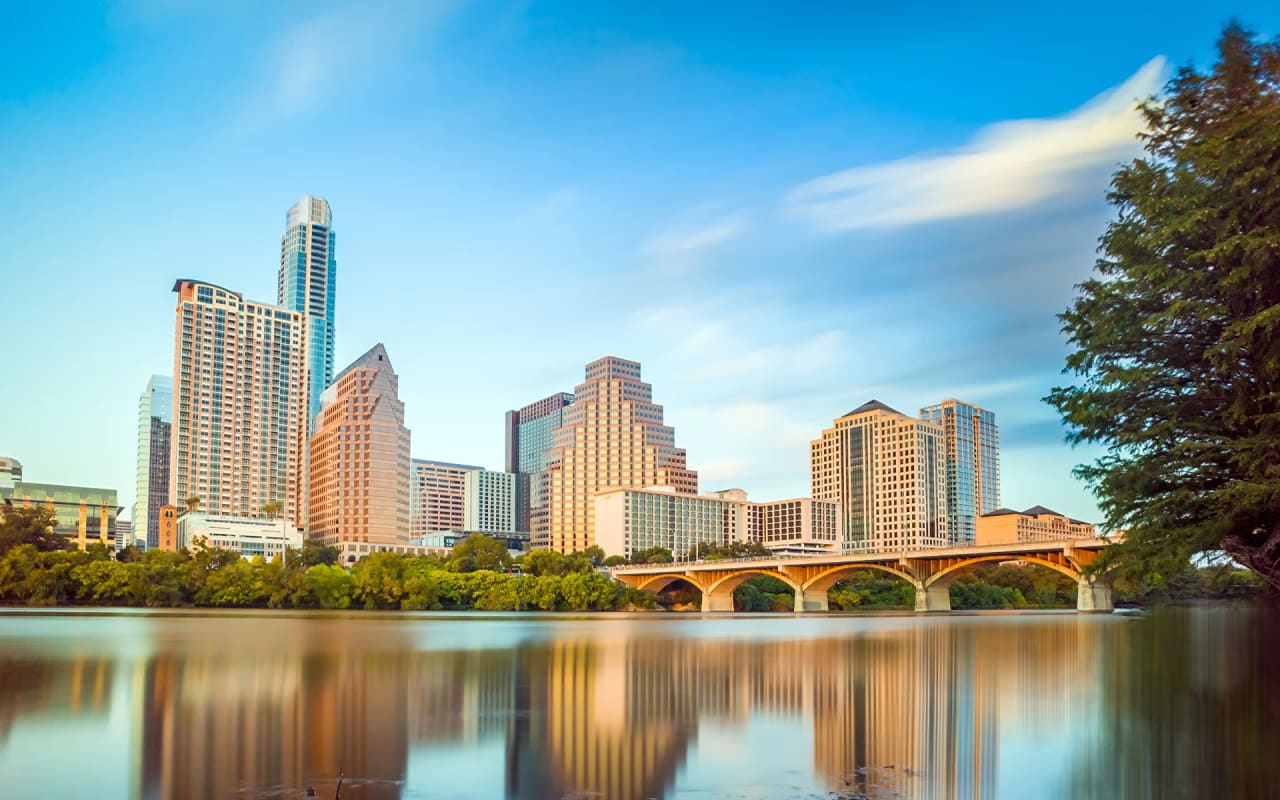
(308, 271)
(437, 496)
(360, 459)
(240, 401)
(155, 427)
(489, 501)
(528, 447)
(612, 436)
(972, 464)
(887, 472)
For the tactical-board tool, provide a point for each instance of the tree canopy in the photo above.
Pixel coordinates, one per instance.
(33, 525)
(1176, 338)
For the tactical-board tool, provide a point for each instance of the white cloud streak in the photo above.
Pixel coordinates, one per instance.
(1007, 165)
(682, 249)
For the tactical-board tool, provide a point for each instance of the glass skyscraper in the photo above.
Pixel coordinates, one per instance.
(529, 439)
(308, 271)
(972, 457)
(155, 423)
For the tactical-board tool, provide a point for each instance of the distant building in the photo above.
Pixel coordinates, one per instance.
(10, 472)
(308, 275)
(528, 448)
(240, 404)
(887, 472)
(167, 528)
(86, 515)
(437, 496)
(155, 428)
(1036, 524)
(489, 501)
(516, 541)
(360, 459)
(251, 537)
(612, 437)
(631, 520)
(124, 535)
(971, 445)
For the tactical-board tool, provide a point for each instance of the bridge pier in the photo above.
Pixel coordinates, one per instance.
(717, 602)
(1093, 596)
(934, 597)
(811, 600)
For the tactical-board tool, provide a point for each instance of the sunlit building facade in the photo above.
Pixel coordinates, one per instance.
(267, 538)
(86, 515)
(887, 472)
(240, 404)
(972, 448)
(613, 436)
(359, 473)
(437, 496)
(308, 270)
(155, 428)
(1036, 524)
(529, 439)
(489, 501)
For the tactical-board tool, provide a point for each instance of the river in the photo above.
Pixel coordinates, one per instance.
(268, 704)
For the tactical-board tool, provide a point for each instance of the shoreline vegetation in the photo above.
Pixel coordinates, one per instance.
(479, 574)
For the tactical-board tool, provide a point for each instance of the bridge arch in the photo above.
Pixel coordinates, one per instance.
(718, 595)
(656, 583)
(813, 593)
(948, 574)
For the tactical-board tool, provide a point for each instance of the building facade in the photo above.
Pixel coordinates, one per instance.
(308, 271)
(887, 472)
(489, 501)
(86, 515)
(239, 404)
(1036, 524)
(10, 472)
(529, 437)
(359, 463)
(437, 496)
(613, 436)
(972, 453)
(155, 428)
(251, 537)
(632, 520)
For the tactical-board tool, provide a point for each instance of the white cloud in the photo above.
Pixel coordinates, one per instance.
(1007, 165)
(681, 249)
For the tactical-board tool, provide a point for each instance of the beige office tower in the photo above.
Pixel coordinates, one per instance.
(239, 404)
(360, 460)
(888, 473)
(612, 437)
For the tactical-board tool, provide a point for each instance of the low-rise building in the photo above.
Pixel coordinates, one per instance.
(516, 541)
(85, 514)
(1036, 524)
(250, 536)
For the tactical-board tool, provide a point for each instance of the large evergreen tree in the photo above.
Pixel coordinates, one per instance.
(1177, 336)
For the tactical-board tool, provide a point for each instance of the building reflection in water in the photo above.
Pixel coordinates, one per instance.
(914, 710)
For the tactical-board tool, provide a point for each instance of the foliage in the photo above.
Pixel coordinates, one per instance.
(720, 552)
(652, 555)
(30, 525)
(551, 562)
(763, 593)
(870, 590)
(479, 552)
(1177, 337)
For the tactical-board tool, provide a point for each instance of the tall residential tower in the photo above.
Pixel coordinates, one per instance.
(155, 424)
(308, 271)
(972, 463)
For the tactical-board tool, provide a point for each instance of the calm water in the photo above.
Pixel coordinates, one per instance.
(264, 705)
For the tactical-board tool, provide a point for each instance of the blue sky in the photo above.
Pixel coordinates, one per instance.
(781, 211)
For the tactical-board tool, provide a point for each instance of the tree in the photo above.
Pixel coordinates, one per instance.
(272, 509)
(478, 551)
(192, 502)
(1177, 336)
(652, 555)
(33, 525)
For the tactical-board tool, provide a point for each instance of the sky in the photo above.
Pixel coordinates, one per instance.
(781, 211)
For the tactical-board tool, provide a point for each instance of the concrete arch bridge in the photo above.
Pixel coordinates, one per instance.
(931, 572)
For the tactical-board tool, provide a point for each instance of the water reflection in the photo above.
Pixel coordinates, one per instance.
(961, 707)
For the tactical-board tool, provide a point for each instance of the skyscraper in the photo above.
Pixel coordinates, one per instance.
(886, 471)
(528, 443)
(240, 401)
(155, 424)
(308, 272)
(612, 436)
(360, 460)
(972, 447)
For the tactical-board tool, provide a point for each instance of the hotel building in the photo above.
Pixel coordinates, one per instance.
(613, 436)
(239, 410)
(1036, 524)
(528, 448)
(972, 447)
(359, 460)
(489, 501)
(437, 496)
(887, 472)
(308, 270)
(631, 520)
(155, 428)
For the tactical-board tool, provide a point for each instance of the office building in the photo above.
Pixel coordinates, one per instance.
(528, 447)
(155, 428)
(250, 537)
(360, 458)
(631, 520)
(124, 534)
(84, 514)
(10, 472)
(972, 447)
(612, 437)
(239, 404)
(1036, 524)
(886, 470)
(489, 501)
(308, 271)
(437, 496)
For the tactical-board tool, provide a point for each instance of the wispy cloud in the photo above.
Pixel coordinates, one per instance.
(1007, 165)
(681, 249)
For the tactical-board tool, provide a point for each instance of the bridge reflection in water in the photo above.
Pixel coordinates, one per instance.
(919, 707)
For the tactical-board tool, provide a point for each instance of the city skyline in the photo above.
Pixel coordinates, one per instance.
(769, 237)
